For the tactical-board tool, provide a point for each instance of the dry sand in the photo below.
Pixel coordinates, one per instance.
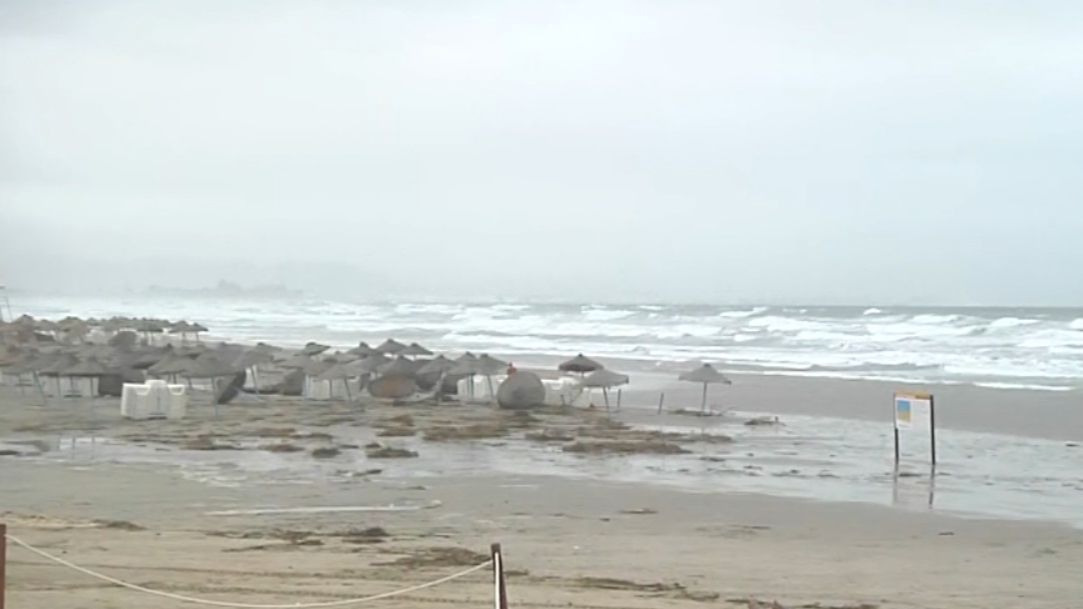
(568, 542)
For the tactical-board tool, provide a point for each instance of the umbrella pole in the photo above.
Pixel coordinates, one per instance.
(492, 394)
(41, 389)
(255, 383)
(703, 405)
(214, 395)
(618, 398)
(605, 396)
(346, 381)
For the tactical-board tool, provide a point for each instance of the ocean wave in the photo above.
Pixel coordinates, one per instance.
(953, 345)
(1012, 322)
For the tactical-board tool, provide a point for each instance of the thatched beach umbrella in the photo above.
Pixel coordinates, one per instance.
(415, 350)
(316, 367)
(373, 363)
(438, 365)
(123, 339)
(606, 380)
(707, 375)
(252, 359)
(196, 328)
(341, 371)
(90, 368)
(73, 328)
(489, 366)
(57, 368)
(466, 365)
(171, 364)
(581, 364)
(314, 348)
(363, 350)
(401, 366)
(433, 374)
(211, 366)
(151, 326)
(390, 347)
(182, 327)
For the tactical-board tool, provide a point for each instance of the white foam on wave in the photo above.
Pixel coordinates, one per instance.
(1020, 346)
(1028, 386)
(1012, 322)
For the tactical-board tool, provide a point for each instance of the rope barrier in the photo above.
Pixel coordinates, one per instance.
(214, 603)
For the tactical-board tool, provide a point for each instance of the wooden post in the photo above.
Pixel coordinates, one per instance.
(605, 396)
(895, 424)
(500, 587)
(932, 427)
(618, 399)
(661, 401)
(3, 561)
(703, 405)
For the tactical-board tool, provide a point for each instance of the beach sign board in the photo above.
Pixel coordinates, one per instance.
(913, 410)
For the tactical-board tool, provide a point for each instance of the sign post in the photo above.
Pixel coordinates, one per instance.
(3, 561)
(915, 411)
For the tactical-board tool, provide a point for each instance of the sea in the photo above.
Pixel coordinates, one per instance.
(1000, 347)
(809, 457)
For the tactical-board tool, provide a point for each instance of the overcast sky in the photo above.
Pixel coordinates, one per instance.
(827, 152)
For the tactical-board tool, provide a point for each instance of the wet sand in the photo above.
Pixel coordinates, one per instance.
(569, 541)
(1055, 415)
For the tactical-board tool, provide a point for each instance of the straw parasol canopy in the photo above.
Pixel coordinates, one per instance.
(89, 367)
(390, 347)
(581, 364)
(488, 365)
(316, 367)
(415, 350)
(171, 363)
(707, 375)
(355, 368)
(59, 365)
(335, 372)
(399, 367)
(253, 357)
(605, 379)
(297, 360)
(372, 363)
(362, 349)
(465, 365)
(123, 339)
(314, 348)
(436, 366)
(209, 365)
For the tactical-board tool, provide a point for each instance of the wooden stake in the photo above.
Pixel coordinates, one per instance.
(500, 586)
(932, 428)
(661, 401)
(3, 561)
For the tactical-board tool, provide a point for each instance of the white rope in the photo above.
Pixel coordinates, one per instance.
(214, 603)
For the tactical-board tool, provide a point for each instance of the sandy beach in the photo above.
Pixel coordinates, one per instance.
(192, 507)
